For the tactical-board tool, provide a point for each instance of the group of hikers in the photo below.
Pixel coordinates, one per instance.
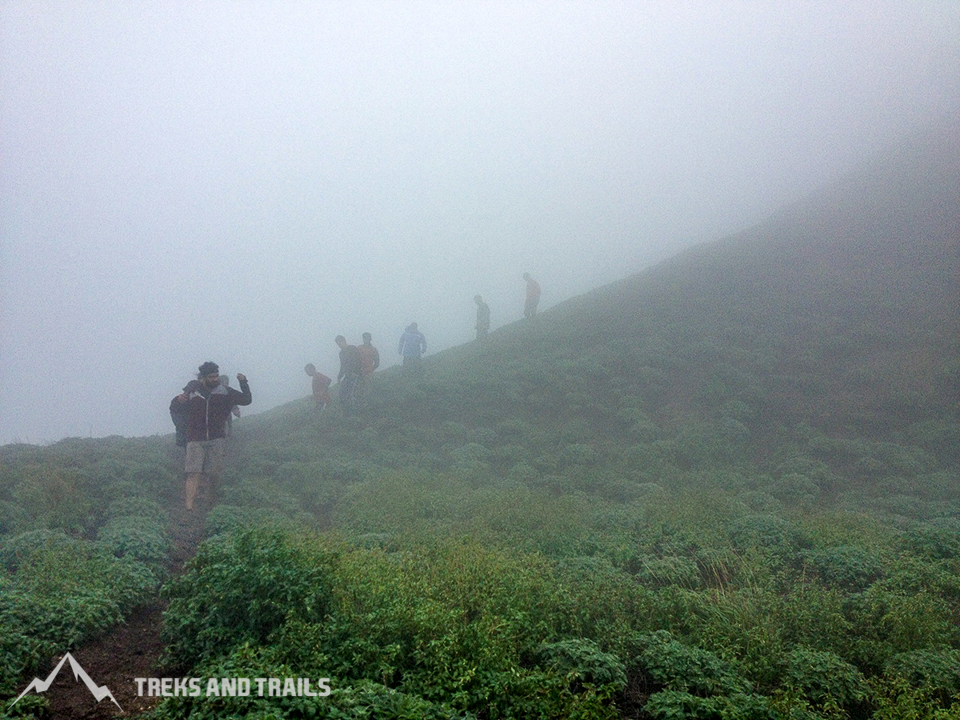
(529, 306)
(202, 413)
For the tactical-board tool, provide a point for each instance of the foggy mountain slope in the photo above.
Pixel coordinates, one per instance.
(891, 227)
(741, 464)
(840, 312)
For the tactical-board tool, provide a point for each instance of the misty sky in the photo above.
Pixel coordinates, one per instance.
(242, 181)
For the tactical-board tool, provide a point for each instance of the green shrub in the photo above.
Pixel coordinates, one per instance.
(470, 454)
(241, 588)
(141, 538)
(884, 623)
(667, 570)
(17, 550)
(895, 699)
(766, 531)
(671, 665)
(824, 679)
(934, 669)
(309, 485)
(760, 502)
(677, 705)
(13, 519)
(360, 700)
(58, 497)
(848, 566)
(577, 454)
(138, 507)
(936, 539)
(225, 518)
(583, 661)
(707, 445)
(64, 592)
(796, 491)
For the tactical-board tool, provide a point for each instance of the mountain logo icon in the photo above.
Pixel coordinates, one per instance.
(98, 692)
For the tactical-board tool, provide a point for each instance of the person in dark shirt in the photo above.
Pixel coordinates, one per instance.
(208, 406)
(180, 412)
(351, 367)
(369, 362)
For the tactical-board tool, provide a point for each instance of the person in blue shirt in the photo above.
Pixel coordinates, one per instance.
(412, 347)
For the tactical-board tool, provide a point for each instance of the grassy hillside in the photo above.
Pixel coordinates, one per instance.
(726, 487)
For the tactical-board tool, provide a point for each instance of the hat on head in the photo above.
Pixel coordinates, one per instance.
(209, 368)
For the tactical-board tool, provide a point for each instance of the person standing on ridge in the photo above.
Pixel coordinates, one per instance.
(483, 317)
(412, 346)
(208, 405)
(320, 387)
(369, 361)
(349, 375)
(533, 297)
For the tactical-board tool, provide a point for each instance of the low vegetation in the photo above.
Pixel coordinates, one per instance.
(727, 488)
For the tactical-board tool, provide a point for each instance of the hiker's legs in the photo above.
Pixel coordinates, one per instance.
(193, 467)
(203, 458)
(213, 466)
(412, 366)
(192, 485)
(348, 394)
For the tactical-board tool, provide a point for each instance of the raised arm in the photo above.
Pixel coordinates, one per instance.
(243, 396)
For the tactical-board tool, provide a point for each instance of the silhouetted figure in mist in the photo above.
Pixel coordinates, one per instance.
(412, 346)
(349, 375)
(533, 297)
(369, 362)
(483, 317)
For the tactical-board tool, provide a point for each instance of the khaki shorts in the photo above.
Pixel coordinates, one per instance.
(205, 456)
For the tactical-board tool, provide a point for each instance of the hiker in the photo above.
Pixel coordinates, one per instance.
(349, 375)
(208, 405)
(412, 346)
(321, 387)
(234, 411)
(179, 412)
(369, 361)
(533, 296)
(483, 317)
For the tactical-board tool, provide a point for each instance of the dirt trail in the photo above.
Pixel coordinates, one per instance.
(130, 650)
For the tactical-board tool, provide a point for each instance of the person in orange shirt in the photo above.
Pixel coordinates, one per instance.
(321, 387)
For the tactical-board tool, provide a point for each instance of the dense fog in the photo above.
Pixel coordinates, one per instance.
(241, 182)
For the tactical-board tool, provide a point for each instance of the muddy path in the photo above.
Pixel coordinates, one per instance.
(130, 650)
